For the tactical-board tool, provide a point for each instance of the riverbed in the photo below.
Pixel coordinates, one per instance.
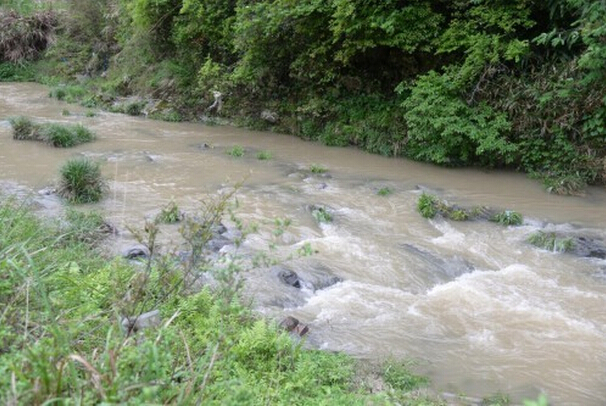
(478, 308)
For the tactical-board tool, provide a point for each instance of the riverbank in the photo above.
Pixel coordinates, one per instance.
(511, 89)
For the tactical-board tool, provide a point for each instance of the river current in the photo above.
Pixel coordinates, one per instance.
(475, 305)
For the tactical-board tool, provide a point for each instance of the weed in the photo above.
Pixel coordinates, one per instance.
(551, 242)
(264, 155)
(81, 181)
(24, 128)
(400, 378)
(384, 191)
(321, 215)
(90, 113)
(508, 218)
(236, 151)
(65, 112)
(134, 108)
(85, 227)
(318, 169)
(498, 399)
(427, 205)
(170, 214)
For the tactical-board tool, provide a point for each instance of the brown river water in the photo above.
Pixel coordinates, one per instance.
(478, 307)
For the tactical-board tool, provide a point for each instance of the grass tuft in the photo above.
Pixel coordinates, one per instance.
(81, 181)
(236, 151)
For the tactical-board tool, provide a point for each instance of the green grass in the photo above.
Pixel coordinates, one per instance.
(264, 155)
(551, 242)
(384, 191)
(321, 215)
(508, 218)
(57, 135)
(169, 214)
(318, 169)
(63, 340)
(81, 181)
(24, 128)
(427, 205)
(236, 151)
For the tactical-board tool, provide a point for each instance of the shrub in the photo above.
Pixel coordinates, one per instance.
(236, 151)
(81, 181)
(24, 37)
(508, 218)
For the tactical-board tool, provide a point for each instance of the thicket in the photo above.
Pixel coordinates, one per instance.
(505, 83)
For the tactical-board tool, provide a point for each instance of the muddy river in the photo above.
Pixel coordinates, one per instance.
(475, 305)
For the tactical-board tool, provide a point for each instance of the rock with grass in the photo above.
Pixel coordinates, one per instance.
(81, 181)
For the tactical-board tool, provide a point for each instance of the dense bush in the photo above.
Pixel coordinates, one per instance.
(504, 83)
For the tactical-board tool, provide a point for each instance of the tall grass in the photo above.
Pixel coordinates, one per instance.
(81, 181)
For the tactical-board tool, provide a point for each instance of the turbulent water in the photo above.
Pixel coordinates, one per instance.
(478, 307)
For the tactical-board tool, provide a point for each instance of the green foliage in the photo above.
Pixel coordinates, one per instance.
(170, 214)
(264, 155)
(443, 129)
(81, 181)
(384, 191)
(551, 242)
(70, 94)
(498, 399)
(317, 169)
(236, 151)
(540, 401)
(321, 215)
(65, 136)
(85, 227)
(508, 218)
(24, 128)
(62, 335)
(16, 72)
(427, 205)
(399, 377)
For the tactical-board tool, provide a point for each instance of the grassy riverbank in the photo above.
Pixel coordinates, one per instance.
(64, 338)
(511, 84)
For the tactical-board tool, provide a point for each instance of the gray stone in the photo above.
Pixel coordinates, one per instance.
(146, 320)
(136, 251)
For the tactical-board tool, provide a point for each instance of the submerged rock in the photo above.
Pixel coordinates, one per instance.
(136, 251)
(292, 325)
(290, 278)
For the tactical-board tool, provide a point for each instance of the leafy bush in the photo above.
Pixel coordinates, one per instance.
(81, 181)
(443, 129)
